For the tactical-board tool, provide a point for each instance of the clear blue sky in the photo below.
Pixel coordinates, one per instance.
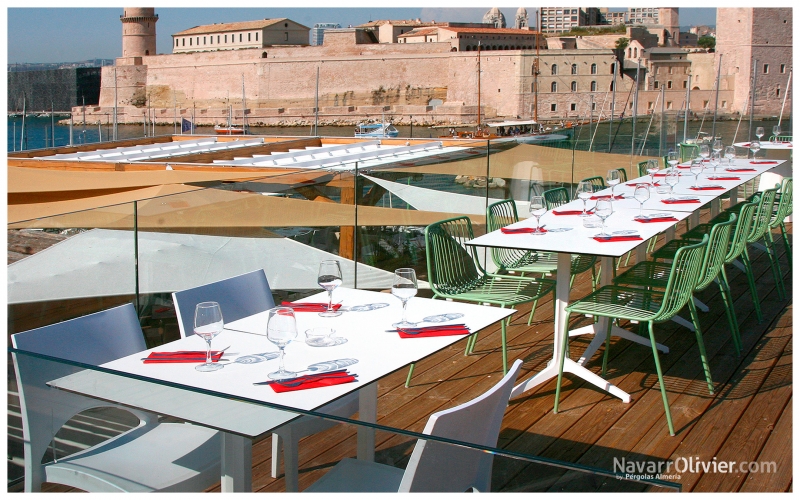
(76, 34)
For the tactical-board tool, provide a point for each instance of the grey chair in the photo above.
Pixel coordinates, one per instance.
(239, 297)
(152, 456)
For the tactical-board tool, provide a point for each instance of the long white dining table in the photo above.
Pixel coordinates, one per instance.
(228, 400)
(578, 239)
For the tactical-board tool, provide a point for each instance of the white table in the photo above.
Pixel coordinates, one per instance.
(228, 401)
(774, 151)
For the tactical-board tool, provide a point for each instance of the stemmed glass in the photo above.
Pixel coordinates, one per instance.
(538, 208)
(755, 146)
(672, 178)
(604, 209)
(207, 325)
(652, 169)
(696, 169)
(612, 179)
(776, 131)
(715, 159)
(404, 287)
(281, 329)
(641, 194)
(759, 133)
(329, 277)
(730, 154)
(717, 146)
(672, 158)
(705, 151)
(584, 192)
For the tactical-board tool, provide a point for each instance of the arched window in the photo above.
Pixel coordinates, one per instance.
(574, 69)
(594, 68)
(554, 69)
(613, 67)
(573, 86)
(635, 52)
(630, 52)
(594, 86)
(263, 55)
(554, 87)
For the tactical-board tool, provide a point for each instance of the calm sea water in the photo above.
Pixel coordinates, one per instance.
(614, 138)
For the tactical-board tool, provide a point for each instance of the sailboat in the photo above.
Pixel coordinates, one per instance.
(480, 132)
(230, 128)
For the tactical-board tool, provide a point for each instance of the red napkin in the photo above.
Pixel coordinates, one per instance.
(570, 212)
(634, 184)
(657, 219)
(731, 169)
(683, 166)
(672, 202)
(606, 239)
(746, 145)
(663, 175)
(763, 162)
(521, 230)
(705, 188)
(599, 196)
(715, 178)
(432, 331)
(310, 306)
(312, 381)
(182, 357)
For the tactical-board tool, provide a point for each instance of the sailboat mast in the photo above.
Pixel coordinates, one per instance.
(536, 69)
(479, 85)
(244, 118)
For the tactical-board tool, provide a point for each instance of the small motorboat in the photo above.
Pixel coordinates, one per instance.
(376, 130)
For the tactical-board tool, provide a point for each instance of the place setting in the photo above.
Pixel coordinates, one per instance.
(538, 208)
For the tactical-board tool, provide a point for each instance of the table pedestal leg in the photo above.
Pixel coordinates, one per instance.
(367, 412)
(715, 207)
(237, 460)
(600, 338)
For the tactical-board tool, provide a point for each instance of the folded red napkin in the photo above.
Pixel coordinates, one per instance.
(312, 381)
(763, 162)
(747, 145)
(570, 212)
(705, 188)
(672, 202)
(663, 175)
(634, 184)
(310, 306)
(606, 239)
(433, 331)
(731, 169)
(521, 230)
(657, 219)
(683, 166)
(716, 178)
(616, 196)
(182, 357)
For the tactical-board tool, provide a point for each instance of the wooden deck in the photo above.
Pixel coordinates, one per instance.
(749, 418)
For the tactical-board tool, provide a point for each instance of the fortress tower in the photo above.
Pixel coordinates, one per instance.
(138, 31)
(668, 18)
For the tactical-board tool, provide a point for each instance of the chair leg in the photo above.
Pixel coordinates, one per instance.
(608, 346)
(595, 279)
(748, 269)
(786, 244)
(701, 345)
(661, 379)
(290, 464)
(533, 310)
(503, 342)
(564, 349)
(470, 344)
(774, 264)
(408, 377)
(727, 298)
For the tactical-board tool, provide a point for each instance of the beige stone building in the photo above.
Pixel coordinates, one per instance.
(242, 35)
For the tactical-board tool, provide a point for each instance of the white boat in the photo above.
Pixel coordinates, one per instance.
(376, 130)
(528, 131)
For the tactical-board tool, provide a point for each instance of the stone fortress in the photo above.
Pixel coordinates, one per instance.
(428, 71)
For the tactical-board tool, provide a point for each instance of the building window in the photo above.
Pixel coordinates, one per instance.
(783, 68)
(183, 42)
(217, 38)
(554, 87)
(705, 104)
(649, 104)
(190, 42)
(778, 92)
(613, 67)
(685, 83)
(573, 86)
(176, 42)
(669, 84)
(198, 40)
(226, 38)
(240, 37)
(204, 40)
(766, 69)
(256, 36)
(670, 70)
(669, 104)
(594, 68)
(657, 68)
(573, 106)
(285, 36)
(724, 104)
(553, 107)
(594, 106)
(554, 69)
(655, 84)
(611, 87)
(594, 87)
(248, 37)
(574, 69)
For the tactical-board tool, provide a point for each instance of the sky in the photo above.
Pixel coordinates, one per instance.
(73, 34)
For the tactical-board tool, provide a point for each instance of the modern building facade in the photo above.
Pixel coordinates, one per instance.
(318, 32)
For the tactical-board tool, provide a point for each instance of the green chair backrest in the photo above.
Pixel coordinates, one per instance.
(688, 151)
(741, 231)
(716, 251)
(780, 138)
(763, 215)
(666, 163)
(643, 168)
(556, 197)
(784, 203)
(500, 214)
(598, 183)
(451, 267)
(682, 280)
(623, 175)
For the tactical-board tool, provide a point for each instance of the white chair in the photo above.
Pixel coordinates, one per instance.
(239, 297)
(435, 466)
(149, 457)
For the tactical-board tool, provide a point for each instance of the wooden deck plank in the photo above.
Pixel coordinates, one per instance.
(777, 449)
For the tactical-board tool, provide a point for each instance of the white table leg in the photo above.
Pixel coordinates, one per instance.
(237, 463)
(570, 366)
(715, 207)
(367, 412)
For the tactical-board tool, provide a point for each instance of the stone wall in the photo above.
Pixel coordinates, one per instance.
(60, 88)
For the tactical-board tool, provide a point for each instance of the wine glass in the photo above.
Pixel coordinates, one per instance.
(612, 179)
(672, 158)
(759, 133)
(776, 131)
(730, 154)
(538, 208)
(207, 325)
(584, 192)
(329, 277)
(404, 287)
(281, 329)
(717, 146)
(604, 209)
(641, 194)
(696, 169)
(672, 178)
(652, 169)
(755, 146)
(715, 159)
(705, 151)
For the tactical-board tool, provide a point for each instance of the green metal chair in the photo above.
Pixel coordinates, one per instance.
(455, 273)
(598, 183)
(623, 175)
(780, 138)
(642, 305)
(654, 274)
(688, 151)
(782, 211)
(642, 168)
